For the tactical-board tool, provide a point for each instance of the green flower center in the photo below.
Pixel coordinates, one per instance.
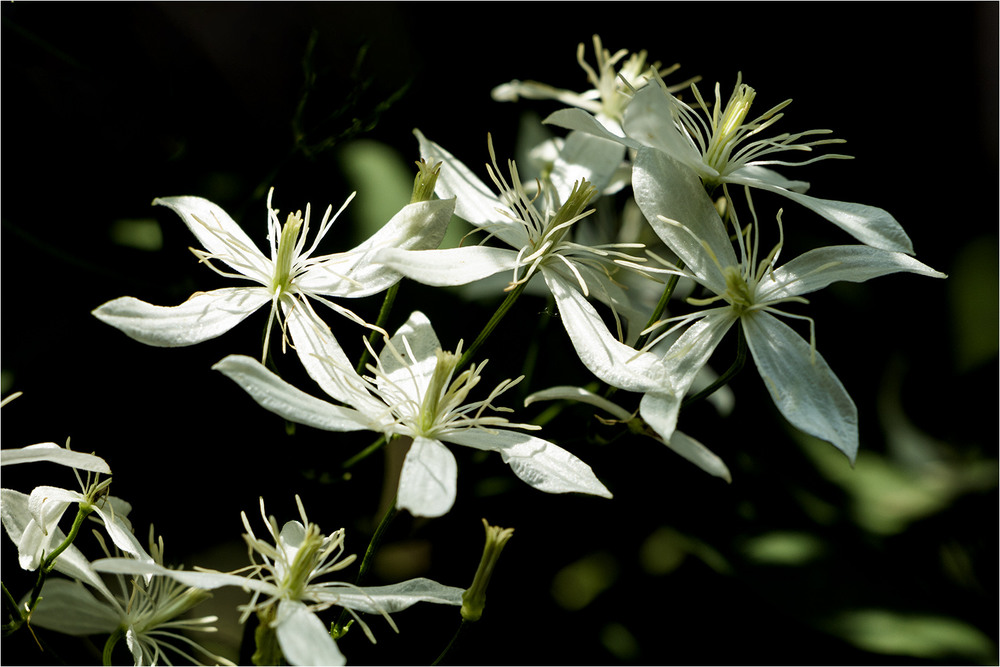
(287, 246)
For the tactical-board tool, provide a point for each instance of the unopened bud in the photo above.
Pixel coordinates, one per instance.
(474, 599)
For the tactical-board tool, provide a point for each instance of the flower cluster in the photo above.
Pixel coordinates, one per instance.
(691, 169)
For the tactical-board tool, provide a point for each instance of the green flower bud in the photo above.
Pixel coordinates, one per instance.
(474, 599)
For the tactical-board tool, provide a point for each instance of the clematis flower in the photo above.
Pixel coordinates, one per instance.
(614, 82)
(287, 280)
(722, 148)
(416, 393)
(50, 451)
(538, 230)
(750, 291)
(286, 592)
(150, 615)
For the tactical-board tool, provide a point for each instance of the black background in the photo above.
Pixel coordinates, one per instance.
(109, 105)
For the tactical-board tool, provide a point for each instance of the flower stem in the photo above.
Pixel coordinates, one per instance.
(491, 325)
(363, 454)
(454, 638)
(383, 315)
(741, 357)
(109, 646)
(339, 629)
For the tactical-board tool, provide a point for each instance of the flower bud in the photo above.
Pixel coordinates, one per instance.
(474, 599)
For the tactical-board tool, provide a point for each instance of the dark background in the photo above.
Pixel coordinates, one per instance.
(107, 106)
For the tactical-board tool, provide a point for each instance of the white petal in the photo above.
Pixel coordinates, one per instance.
(868, 224)
(649, 120)
(660, 412)
(685, 358)
(50, 451)
(543, 465)
(220, 235)
(204, 579)
(68, 607)
(817, 268)
(406, 376)
(281, 398)
(393, 598)
(202, 317)
(604, 355)
(585, 156)
(665, 187)
(303, 638)
(320, 353)
(580, 120)
(583, 396)
(475, 202)
(418, 226)
(448, 266)
(803, 387)
(121, 534)
(429, 479)
(699, 454)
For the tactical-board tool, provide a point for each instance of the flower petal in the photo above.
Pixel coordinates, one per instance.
(604, 355)
(817, 268)
(320, 352)
(699, 454)
(649, 120)
(448, 266)
(281, 398)
(586, 157)
(202, 317)
(220, 235)
(870, 225)
(475, 202)
(803, 387)
(204, 579)
(355, 273)
(665, 187)
(581, 395)
(543, 465)
(68, 607)
(685, 358)
(393, 598)
(580, 120)
(303, 638)
(660, 412)
(408, 366)
(428, 482)
(50, 451)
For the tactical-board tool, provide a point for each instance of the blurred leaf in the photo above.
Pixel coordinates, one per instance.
(923, 636)
(665, 549)
(619, 641)
(383, 180)
(784, 548)
(887, 496)
(974, 295)
(576, 585)
(142, 234)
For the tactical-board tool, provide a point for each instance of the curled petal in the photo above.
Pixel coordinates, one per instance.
(204, 316)
(543, 465)
(355, 273)
(393, 598)
(284, 400)
(50, 451)
(699, 454)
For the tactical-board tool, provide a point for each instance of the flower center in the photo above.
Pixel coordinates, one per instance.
(727, 129)
(288, 243)
(443, 394)
(738, 292)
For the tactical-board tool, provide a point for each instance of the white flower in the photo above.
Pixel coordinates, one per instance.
(614, 82)
(149, 614)
(538, 230)
(288, 279)
(416, 393)
(724, 148)
(749, 290)
(286, 593)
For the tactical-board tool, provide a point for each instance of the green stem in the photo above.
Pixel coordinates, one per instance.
(109, 646)
(454, 638)
(339, 628)
(383, 316)
(741, 357)
(491, 325)
(363, 454)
